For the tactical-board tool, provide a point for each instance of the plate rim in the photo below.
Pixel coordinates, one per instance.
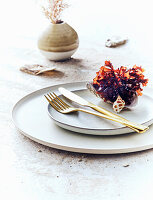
(87, 150)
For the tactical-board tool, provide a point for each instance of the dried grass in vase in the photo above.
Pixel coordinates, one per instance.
(53, 10)
(59, 41)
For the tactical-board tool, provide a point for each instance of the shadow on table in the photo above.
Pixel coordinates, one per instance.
(54, 73)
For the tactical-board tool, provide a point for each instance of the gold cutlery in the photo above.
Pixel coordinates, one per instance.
(83, 102)
(62, 107)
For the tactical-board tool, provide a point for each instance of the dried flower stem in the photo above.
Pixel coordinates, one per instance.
(53, 10)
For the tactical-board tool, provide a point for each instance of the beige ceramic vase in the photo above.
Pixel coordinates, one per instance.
(58, 42)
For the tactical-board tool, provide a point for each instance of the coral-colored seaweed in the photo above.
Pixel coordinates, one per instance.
(110, 82)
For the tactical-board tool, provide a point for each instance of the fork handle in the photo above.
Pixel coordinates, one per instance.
(113, 119)
(101, 110)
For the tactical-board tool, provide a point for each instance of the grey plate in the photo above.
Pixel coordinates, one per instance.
(89, 124)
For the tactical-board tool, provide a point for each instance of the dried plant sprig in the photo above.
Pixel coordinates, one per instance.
(53, 10)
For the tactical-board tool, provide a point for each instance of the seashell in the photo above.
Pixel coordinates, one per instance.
(90, 87)
(36, 69)
(119, 104)
(115, 41)
(134, 102)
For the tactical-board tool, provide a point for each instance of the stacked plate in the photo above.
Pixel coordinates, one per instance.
(81, 132)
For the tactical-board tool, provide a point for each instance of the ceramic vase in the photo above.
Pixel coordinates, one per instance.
(58, 42)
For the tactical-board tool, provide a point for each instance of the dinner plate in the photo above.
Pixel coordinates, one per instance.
(31, 118)
(89, 124)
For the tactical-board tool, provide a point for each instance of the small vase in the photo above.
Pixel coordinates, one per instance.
(58, 42)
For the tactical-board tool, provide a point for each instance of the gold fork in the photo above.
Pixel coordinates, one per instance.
(62, 107)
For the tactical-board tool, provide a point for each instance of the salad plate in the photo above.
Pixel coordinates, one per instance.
(90, 124)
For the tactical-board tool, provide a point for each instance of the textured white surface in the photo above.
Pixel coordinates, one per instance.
(27, 173)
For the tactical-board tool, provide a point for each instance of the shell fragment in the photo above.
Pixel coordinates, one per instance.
(115, 41)
(36, 69)
(119, 104)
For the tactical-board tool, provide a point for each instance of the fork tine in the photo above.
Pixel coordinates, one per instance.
(65, 104)
(51, 103)
(55, 102)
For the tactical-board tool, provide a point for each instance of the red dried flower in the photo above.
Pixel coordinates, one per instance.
(110, 83)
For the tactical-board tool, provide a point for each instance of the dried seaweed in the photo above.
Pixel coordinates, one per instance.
(110, 82)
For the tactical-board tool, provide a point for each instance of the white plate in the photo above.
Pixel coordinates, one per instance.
(31, 118)
(90, 124)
